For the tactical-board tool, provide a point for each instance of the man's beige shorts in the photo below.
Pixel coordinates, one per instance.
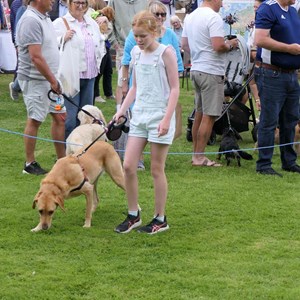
(209, 93)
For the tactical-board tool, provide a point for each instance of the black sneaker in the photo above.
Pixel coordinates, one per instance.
(294, 169)
(269, 171)
(34, 168)
(155, 226)
(129, 223)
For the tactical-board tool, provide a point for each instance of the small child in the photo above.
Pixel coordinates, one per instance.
(156, 90)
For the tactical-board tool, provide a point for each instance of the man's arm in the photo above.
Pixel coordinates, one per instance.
(222, 46)
(185, 44)
(262, 39)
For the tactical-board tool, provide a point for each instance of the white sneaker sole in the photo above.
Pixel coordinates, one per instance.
(11, 93)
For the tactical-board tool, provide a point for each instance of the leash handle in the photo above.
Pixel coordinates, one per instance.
(51, 94)
(112, 131)
(57, 99)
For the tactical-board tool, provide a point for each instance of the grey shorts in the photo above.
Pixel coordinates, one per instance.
(35, 95)
(144, 124)
(209, 93)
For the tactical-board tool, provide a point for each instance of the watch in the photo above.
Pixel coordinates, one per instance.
(124, 79)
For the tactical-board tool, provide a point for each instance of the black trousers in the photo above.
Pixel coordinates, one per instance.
(106, 71)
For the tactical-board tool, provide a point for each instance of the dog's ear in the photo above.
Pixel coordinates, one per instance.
(34, 203)
(60, 202)
(35, 200)
(80, 117)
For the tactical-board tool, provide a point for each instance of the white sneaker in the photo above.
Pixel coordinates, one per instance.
(14, 95)
(100, 99)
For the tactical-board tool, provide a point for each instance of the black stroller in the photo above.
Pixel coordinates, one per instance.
(235, 114)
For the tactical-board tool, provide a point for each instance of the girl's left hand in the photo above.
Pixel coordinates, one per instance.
(163, 128)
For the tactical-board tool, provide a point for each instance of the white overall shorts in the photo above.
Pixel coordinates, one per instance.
(152, 97)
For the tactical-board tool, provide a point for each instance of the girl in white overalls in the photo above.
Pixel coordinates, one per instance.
(156, 90)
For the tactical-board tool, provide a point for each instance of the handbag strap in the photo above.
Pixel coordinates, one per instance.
(66, 23)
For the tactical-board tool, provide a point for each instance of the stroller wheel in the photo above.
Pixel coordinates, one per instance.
(254, 132)
(212, 139)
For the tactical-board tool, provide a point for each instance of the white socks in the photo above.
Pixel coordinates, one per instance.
(133, 212)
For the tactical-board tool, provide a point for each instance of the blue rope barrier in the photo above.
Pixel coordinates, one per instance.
(170, 153)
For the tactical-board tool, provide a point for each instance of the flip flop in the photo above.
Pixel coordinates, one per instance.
(207, 163)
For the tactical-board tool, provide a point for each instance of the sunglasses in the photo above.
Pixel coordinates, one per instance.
(163, 15)
(78, 3)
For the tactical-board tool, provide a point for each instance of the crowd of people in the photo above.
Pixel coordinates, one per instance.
(150, 42)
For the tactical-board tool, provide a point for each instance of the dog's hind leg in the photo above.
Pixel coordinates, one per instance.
(113, 166)
(228, 161)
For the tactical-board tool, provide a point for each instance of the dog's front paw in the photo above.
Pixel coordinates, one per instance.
(87, 225)
(36, 229)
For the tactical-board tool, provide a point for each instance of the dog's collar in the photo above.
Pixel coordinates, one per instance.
(98, 121)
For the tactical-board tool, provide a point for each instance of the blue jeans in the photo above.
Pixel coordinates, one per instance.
(84, 97)
(279, 97)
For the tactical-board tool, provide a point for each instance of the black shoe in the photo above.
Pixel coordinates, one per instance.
(294, 169)
(155, 226)
(34, 168)
(129, 223)
(269, 171)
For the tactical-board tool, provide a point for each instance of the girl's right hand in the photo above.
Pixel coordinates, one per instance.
(118, 115)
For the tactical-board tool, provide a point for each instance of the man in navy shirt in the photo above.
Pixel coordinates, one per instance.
(277, 34)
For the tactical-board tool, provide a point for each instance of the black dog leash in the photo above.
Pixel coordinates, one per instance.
(113, 132)
(59, 105)
(235, 97)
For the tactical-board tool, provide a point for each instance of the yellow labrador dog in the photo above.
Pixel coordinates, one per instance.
(87, 131)
(74, 175)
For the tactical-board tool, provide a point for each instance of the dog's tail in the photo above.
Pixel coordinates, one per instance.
(113, 166)
(245, 155)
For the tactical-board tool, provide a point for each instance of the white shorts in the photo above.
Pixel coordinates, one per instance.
(144, 124)
(35, 95)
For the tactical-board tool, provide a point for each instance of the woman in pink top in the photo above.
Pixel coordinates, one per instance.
(85, 34)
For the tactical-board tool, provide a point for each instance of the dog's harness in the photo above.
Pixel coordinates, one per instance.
(80, 186)
(85, 179)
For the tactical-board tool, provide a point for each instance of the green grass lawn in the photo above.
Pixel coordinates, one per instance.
(233, 234)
